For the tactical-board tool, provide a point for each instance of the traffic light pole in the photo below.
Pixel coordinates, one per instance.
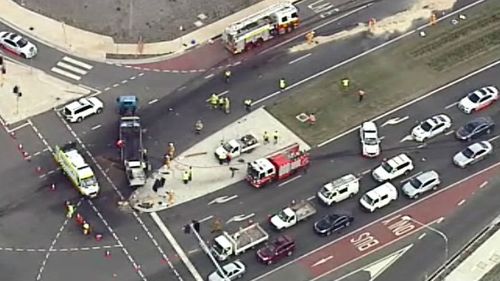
(205, 248)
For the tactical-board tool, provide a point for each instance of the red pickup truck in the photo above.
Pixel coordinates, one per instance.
(277, 249)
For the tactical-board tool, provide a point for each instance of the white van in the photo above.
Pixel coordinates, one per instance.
(379, 197)
(339, 189)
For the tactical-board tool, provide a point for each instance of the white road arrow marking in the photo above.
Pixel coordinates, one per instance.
(322, 261)
(239, 218)
(395, 120)
(438, 220)
(223, 199)
(406, 138)
(378, 267)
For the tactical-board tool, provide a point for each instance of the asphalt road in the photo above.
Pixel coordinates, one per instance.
(334, 160)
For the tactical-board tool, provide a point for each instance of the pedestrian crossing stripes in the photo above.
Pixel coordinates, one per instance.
(71, 68)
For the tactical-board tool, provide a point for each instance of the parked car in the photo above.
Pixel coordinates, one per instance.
(281, 247)
(478, 99)
(370, 142)
(232, 271)
(475, 128)
(332, 223)
(379, 197)
(473, 153)
(82, 108)
(420, 184)
(431, 127)
(17, 44)
(390, 169)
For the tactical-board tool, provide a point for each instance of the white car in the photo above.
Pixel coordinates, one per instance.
(473, 153)
(370, 141)
(17, 44)
(232, 271)
(390, 169)
(431, 127)
(479, 99)
(82, 108)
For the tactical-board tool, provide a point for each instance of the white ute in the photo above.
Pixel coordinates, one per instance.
(235, 147)
(339, 189)
(290, 216)
(370, 142)
(226, 245)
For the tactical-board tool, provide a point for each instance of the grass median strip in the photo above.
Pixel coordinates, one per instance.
(394, 75)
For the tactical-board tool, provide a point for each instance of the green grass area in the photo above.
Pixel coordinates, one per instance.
(492, 275)
(394, 75)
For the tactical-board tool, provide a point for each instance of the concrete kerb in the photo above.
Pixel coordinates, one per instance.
(69, 39)
(208, 175)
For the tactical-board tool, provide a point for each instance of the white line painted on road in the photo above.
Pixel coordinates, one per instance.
(116, 85)
(65, 73)
(77, 62)
(18, 127)
(316, 28)
(311, 198)
(366, 172)
(449, 132)
(483, 184)
(406, 138)
(289, 181)
(422, 236)
(382, 137)
(124, 81)
(96, 127)
(176, 246)
(205, 219)
(399, 211)
(410, 177)
(209, 76)
(494, 138)
(71, 68)
(153, 101)
(140, 74)
(219, 95)
(461, 202)
(451, 105)
(299, 58)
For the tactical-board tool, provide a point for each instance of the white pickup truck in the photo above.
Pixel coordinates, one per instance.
(291, 215)
(226, 245)
(235, 147)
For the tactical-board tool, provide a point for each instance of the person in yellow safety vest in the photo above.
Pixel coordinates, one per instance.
(214, 100)
(266, 137)
(167, 161)
(227, 106)
(190, 173)
(70, 210)
(248, 105)
(171, 150)
(275, 137)
(345, 83)
(198, 126)
(85, 228)
(221, 102)
(227, 75)
(282, 83)
(185, 177)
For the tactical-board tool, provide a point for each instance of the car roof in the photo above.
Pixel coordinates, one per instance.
(476, 146)
(480, 120)
(398, 159)
(386, 188)
(437, 119)
(425, 176)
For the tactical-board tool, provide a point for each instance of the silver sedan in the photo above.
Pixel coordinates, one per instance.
(473, 153)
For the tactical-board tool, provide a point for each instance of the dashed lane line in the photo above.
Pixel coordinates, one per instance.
(55, 250)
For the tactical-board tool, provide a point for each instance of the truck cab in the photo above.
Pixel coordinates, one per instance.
(284, 219)
(230, 149)
(222, 248)
(260, 172)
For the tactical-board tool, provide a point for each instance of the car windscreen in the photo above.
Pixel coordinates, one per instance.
(386, 167)
(67, 112)
(22, 42)
(469, 127)
(415, 182)
(468, 153)
(474, 97)
(425, 126)
(367, 199)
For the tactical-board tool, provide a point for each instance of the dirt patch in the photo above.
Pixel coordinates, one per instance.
(392, 76)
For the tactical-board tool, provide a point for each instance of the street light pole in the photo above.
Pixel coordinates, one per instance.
(439, 232)
(205, 248)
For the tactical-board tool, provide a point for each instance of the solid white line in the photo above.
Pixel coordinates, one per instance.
(299, 58)
(422, 236)
(449, 132)
(219, 95)
(410, 177)
(373, 223)
(494, 138)
(71, 68)
(18, 127)
(79, 63)
(205, 219)
(311, 198)
(451, 105)
(461, 202)
(176, 246)
(209, 76)
(65, 73)
(316, 28)
(366, 172)
(96, 127)
(153, 101)
(483, 184)
(289, 181)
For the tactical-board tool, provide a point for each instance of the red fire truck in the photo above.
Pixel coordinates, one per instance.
(278, 166)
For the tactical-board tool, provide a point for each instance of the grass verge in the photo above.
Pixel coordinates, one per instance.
(394, 75)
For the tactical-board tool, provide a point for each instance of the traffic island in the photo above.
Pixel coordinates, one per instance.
(392, 75)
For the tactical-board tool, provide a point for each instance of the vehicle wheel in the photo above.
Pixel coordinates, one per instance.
(269, 262)
(328, 233)
(80, 119)
(239, 276)
(351, 195)
(99, 110)
(407, 172)
(415, 196)
(23, 55)
(435, 187)
(289, 253)
(488, 131)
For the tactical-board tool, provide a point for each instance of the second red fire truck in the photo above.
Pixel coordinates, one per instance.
(278, 166)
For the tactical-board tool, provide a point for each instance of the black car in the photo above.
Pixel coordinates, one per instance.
(332, 223)
(475, 128)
